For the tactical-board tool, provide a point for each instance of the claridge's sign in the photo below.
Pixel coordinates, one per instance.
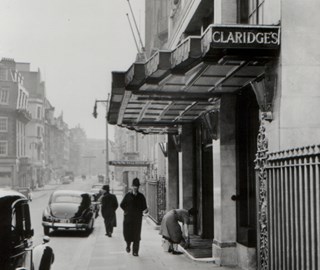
(260, 37)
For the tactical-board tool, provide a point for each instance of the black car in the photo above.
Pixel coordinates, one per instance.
(25, 191)
(69, 209)
(16, 248)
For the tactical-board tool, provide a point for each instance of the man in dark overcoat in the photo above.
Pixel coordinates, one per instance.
(134, 206)
(109, 205)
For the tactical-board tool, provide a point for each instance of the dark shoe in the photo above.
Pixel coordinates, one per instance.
(170, 249)
(135, 254)
(109, 234)
(128, 249)
(175, 252)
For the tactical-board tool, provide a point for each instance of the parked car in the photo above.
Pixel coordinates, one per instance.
(25, 191)
(16, 248)
(96, 188)
(69, 209)
(65, 180)
(70, 175)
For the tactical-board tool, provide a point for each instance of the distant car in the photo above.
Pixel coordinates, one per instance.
(70, 175)
(96, 188)
(69, 209)
(25, 191)
(65, 180)
(16, 248)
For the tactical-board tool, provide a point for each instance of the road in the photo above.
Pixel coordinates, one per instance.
(68, 246)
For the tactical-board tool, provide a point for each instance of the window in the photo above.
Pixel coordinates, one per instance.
(3, 124)
(39, 112)
(3, 74)
(20, 99)
(39, 131)
(251, 11)
(256, 11)
(3, 148)
(4, 96)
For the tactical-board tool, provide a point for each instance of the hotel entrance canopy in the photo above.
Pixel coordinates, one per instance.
(176, 87)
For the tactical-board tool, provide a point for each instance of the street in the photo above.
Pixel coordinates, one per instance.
(78, 251)
(67, 245)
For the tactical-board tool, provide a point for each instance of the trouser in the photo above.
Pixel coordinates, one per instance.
(109, 226)
(135, 246)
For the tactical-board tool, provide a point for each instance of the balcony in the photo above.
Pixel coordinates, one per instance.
(23, 115)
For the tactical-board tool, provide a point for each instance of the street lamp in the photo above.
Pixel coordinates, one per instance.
(95, 115)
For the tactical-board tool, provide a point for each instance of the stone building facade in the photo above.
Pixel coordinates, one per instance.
(233, 84)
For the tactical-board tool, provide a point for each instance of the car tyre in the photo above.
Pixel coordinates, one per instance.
(46, 230)
(90, 226)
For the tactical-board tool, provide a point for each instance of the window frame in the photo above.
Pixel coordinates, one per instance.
(5, 142)
(6, 124)
(251, 11)
(4, 96)
(39, 113)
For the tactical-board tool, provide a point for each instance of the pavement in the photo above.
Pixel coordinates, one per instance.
(109, 253)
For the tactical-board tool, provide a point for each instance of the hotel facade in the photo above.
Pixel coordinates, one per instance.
(234, 87)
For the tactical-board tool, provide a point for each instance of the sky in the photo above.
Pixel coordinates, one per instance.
(75, 44)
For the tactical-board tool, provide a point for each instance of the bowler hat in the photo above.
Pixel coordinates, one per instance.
(106, 187)
(136, 182)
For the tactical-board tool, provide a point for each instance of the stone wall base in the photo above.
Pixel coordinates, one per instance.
(225, 254)
(246, 257)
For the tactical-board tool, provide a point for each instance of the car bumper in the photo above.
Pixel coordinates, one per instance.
(60, 225)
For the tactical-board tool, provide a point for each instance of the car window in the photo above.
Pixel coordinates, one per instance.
(66, 199)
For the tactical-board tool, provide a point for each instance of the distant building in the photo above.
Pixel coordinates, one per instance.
(49, 140)
(94, 157)
(60, 155)
(35, 131)
(78, 141)
(14, 117)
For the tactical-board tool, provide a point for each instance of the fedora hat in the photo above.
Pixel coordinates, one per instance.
(136, 182)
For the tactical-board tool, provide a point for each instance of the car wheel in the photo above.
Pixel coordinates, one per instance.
(46, 230)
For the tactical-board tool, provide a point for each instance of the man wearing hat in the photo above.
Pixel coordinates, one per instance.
(134, 206)
(109, 205)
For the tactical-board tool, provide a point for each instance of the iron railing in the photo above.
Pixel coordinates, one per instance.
(156, 199)
(293, 192)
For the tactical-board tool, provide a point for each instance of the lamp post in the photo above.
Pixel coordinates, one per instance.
(95, 115)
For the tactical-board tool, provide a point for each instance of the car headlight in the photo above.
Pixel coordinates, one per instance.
(46, 215)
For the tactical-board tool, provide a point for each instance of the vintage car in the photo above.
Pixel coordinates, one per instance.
(69, 209)
(65, 180)
(96, 188)
(70, 174)
(16, 248)
(25, 191)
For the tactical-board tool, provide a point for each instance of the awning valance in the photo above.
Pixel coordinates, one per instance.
(176, 87)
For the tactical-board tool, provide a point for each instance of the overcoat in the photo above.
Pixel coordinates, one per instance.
(133, 207)
(109, 205)
(170, 228)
